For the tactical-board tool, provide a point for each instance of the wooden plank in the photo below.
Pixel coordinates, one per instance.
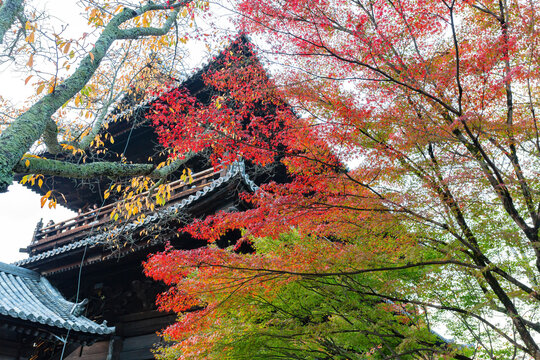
(74, 355)
(96, 351)
(140, 342)
(102, 356)
(146, 326)
(8, 349)
(97, 348)
(143, 315)
(143, 354)
(138, 347)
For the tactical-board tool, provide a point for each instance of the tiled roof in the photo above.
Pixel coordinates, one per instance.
(208, 60)
(28, 296)
(236, 169)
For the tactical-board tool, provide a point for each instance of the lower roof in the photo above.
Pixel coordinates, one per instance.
(28, 297)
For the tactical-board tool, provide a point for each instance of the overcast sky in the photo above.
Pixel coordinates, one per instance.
(20, 210)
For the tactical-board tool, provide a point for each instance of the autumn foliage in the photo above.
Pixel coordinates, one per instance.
(433, 104)
(236, 306)
(244, 122)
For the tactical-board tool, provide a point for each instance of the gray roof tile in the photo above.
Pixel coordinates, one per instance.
(28, 296)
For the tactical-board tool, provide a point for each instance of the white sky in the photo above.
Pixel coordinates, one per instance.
(20, 211)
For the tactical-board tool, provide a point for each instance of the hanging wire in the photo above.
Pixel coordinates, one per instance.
(79, 277)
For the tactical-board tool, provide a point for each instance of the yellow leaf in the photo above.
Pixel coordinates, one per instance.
(218, 104)
(40, 183)
(24, 180)
(43, 201)
(40, 88)
(91, 56)
(30, 61)
(27, 163)
(106, 194)
(27, 79)
(30, 38)
(66, 48)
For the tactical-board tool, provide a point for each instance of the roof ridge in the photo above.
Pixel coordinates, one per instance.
(27, 296)
(176, 82)
(22, 272)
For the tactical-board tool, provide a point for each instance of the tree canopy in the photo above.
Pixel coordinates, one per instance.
(435, 102)
(89, 75)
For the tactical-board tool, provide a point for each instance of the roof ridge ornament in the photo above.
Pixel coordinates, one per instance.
(78, 308)
(31, 301)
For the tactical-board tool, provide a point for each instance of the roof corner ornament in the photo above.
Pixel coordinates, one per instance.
(37, 230)
(78, 308)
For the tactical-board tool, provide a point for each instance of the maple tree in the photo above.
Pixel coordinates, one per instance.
(436, 102)
(254, 308)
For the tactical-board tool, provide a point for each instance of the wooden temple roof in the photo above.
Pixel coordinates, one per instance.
(27, 299)
(60, 240)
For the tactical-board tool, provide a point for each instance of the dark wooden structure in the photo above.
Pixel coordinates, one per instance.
(111, 278)
(135, 139)
(77, 258)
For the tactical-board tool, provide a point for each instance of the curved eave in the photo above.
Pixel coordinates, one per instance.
(29, 299)
(236, 170)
